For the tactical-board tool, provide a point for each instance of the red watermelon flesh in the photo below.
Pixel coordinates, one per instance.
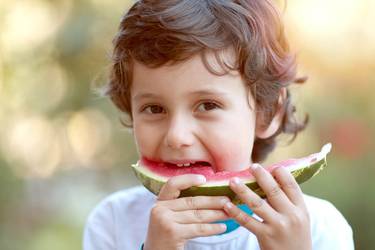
(170, 170)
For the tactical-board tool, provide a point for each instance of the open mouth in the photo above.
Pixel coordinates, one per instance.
(189, 165)
(192, 167)
(178, 168)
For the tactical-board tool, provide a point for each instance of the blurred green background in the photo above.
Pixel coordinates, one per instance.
(63, 149)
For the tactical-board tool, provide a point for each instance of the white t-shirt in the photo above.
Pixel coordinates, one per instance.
(120, 222)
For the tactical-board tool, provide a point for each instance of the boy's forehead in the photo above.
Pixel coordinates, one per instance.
(220, 62)
(190, 76)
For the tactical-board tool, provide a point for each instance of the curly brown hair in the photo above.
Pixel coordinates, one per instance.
(171, 31)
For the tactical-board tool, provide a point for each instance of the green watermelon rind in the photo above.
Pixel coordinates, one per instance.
(154, 185)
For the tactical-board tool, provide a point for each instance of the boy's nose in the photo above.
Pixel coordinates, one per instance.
(179, 133)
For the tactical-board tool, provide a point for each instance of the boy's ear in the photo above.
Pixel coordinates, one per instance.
(264, 132)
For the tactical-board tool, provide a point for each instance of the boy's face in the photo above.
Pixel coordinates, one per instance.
(185, 114)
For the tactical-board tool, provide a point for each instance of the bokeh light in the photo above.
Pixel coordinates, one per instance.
(88, 132)
(30, 145)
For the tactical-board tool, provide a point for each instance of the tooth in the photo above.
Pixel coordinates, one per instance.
(187, 164)
(179, 165)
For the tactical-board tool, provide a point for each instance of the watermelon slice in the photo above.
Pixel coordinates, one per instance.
(154, 175)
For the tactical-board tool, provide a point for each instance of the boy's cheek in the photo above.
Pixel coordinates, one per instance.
(233, 156)
(144, 140)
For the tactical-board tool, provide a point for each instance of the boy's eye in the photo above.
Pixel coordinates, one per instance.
(207, 106)
(153, 109)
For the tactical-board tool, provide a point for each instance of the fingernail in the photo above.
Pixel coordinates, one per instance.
(223, 226)
(236, 180)
(224, 201)
(255, 166)
(229, 205)
(201, 179)
(277, 168)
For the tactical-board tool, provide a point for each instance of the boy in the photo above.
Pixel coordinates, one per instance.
(206, 81)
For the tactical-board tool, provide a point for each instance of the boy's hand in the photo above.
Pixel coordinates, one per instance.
(286, 223)
(173, 221)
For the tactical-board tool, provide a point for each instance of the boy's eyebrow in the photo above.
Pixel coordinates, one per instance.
(208, 92)
(197, 92)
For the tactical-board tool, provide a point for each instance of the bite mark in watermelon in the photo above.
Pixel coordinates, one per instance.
(154, 175)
